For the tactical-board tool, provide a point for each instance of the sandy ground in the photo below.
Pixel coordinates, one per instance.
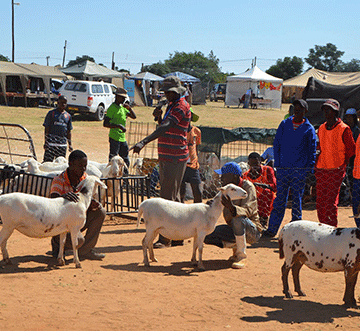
(119, 293)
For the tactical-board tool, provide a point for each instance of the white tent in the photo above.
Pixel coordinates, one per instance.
(262, 85)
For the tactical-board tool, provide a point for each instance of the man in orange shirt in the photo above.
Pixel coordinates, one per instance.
(263, 177)
(192, 174)
(337, 146)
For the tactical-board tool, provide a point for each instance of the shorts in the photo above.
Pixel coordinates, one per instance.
(192, 176)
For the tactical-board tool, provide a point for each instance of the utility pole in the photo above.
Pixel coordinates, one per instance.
(47, 60)
(112, 62)
(12, 28)
(63, 64)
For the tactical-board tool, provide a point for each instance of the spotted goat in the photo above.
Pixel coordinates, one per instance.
(322, 248)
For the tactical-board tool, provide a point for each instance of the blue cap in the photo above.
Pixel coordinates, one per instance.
(230, 167)
(351, 111)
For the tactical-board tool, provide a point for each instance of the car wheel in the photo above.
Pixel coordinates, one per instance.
(100, 113)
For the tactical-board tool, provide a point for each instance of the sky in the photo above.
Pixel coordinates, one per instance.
(147, 31)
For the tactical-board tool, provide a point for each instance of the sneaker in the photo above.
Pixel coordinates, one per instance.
(239, 265)
(92, 255)
(268, 234)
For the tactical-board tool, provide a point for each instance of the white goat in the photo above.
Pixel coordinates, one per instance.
(178, 221)
(322, 248)
(40, 217)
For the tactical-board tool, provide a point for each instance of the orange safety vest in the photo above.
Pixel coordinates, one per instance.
(332, 147)
(356, 171)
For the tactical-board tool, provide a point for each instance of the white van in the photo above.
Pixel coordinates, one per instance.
(88, 97)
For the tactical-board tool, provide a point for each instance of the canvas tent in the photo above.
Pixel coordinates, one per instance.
(297, 84)
(88, 70)
(262, 85)
(185, 78)
(15, 77)
(146, 87)
(316, 92)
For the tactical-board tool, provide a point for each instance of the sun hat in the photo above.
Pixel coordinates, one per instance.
(302, 103)
(351, 111)
(121, 91)
(172, 84)
(230, 167)
(332, 103)
(194, 117)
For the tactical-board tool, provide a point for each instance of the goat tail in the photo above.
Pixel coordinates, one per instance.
(140, 212)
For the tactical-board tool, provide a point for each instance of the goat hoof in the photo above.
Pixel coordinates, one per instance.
(301, 293)
(7, 261)
(288, 295)
(154, 259)
(201, 267)
(60, 262)
(78, 265)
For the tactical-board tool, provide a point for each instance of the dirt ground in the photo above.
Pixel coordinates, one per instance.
(119, 293)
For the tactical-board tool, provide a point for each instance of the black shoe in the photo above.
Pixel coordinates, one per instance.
(92, 255)
(268, 234)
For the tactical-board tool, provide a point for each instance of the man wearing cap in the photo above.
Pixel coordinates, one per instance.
(115, 120)
(192, 174)
(294, 155)
(172, 143)
(336, 147)
(242, 218)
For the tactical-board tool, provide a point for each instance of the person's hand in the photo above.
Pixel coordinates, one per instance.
(263, 185)
(71, 196)
(126, 105)
(227, 203)
(157, 113)
(122, 128)
(94, 205)
(137, 147)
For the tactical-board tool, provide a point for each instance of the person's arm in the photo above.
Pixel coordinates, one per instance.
(46, 132)
(160, 130)
(131, 112)
(68, 136)
(109, 125)
(348, 140)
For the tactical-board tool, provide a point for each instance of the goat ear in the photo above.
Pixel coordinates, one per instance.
(97, 180)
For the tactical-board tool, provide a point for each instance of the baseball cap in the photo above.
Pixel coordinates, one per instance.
(332, 103)
(230, 167)
(302, 103)
(351, 111)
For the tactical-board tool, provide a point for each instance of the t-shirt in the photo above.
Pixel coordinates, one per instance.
(61, 184)
(194, 139)
(59, 123)
(117, 115)
(172, 145)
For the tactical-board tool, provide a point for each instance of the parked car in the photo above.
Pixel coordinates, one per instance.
(88, 97)
(218, 92)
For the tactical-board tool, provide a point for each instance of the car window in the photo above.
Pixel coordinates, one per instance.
(106, 88)
(113, 88)
(97, 88)
(70, 86)
(80, 87)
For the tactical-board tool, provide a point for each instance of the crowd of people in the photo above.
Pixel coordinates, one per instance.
(281, 172)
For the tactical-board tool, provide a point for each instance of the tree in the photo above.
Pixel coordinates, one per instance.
(287, 68)
(80, 59)
(325, 57)
(351, 66)
(4, 58)
(206, 68)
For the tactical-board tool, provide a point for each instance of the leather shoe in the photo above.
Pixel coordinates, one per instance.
(92, 255)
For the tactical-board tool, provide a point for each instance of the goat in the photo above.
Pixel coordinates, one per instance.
(40, 217)
(322, 248)
(178, 221)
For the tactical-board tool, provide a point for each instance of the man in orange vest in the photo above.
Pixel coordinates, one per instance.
(336, 146)
(263, 177)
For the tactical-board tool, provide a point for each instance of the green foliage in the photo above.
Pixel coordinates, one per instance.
(80, 59)
(325, 57)
(4, 58)
(206, 68)
(351, 66)
(287, 68)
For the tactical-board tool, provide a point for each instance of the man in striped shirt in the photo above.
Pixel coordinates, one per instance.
(172, 142)
(65, 185)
